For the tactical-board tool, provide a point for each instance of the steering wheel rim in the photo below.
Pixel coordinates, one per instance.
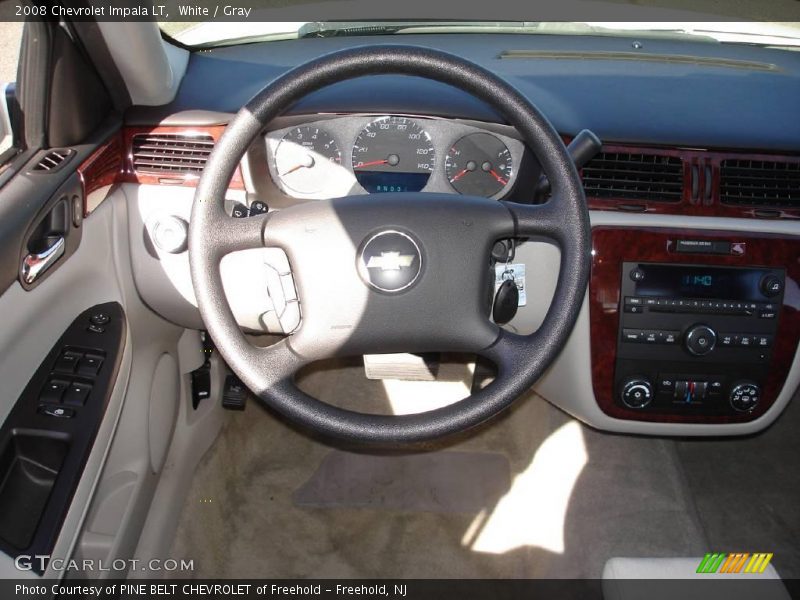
(432, 221)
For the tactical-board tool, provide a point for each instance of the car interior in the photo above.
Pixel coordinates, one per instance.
(412, 300)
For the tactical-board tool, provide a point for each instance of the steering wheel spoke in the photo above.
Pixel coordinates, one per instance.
(548, 220)
(229, 234)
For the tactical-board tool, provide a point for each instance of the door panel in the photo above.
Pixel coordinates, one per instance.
(98, 271)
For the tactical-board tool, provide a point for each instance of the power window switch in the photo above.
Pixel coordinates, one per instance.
(90, 365)
(60, 412)
(54, 390)
(77, 393)
(67, 362)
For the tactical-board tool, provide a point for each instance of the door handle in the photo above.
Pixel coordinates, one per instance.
(35, 264)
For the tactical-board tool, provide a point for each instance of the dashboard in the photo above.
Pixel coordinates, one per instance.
(698, 172)
(371, 154)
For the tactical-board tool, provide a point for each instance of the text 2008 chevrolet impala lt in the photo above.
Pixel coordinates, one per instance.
(401, 301)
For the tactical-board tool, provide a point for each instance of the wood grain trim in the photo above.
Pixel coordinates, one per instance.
(611, 246)
(99, 172)
(131, 175)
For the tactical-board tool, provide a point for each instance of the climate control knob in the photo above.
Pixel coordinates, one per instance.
(637, 393)
(745, 395)
(700, 340)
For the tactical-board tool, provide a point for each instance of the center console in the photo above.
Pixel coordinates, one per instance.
(692, 326)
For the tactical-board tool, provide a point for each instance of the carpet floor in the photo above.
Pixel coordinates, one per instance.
(538, 496)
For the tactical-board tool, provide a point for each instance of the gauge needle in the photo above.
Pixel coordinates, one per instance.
(292, 170)
(385, 161)
(459, 175)
(494, 174)
(308, 162)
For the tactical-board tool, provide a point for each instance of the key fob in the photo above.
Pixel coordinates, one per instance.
(506, 301)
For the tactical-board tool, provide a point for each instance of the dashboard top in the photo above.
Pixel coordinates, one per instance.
(679, 93)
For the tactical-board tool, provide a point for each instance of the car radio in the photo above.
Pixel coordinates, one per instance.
(695, 339)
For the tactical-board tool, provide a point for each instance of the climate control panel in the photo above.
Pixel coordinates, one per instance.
(694, 339)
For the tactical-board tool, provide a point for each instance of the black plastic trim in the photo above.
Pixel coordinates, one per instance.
(77, 433)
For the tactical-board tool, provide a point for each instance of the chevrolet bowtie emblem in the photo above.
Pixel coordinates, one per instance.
(390, 261)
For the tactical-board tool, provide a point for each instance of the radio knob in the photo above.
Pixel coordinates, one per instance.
(771, 286)
(745, 395)
(700, 340)
(637, 393)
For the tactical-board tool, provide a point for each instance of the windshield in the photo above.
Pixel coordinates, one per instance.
(220, 33)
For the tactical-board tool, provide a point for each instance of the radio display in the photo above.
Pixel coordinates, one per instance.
(700, 282)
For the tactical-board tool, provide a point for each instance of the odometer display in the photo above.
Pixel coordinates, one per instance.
(393, 154)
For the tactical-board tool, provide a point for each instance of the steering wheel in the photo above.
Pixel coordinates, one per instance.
(435, 295)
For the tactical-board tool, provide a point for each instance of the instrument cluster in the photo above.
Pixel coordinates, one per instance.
(369, 154)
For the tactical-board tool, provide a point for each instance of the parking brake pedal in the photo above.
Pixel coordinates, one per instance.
(234, 395)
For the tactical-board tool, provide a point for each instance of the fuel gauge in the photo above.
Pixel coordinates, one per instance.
(479, 164)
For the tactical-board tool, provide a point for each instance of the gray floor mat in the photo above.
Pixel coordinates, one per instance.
(449, 482)
(747, 491)
(577, 497)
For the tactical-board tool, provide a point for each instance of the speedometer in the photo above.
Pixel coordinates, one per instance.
(393, 154)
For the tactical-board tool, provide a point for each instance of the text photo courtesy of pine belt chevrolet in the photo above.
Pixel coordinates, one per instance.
(386, 305)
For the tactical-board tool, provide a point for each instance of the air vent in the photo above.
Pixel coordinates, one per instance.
(760, 183)
(53, 160)
(171, 152)
(630, 176)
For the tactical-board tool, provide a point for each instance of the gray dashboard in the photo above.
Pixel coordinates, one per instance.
(734, 96)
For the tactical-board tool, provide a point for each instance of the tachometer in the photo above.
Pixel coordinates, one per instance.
(306, 159)
(479, 164)
(393, 154)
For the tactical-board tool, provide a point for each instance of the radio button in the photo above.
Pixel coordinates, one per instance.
(633, 300)
(637, 274)
(632, 335)
(727, 339)
(634, 309)
(745, 340)
(650, 337)
(671, 337)
(763, 341)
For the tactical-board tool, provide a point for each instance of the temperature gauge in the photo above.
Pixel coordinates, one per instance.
(479, 164)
